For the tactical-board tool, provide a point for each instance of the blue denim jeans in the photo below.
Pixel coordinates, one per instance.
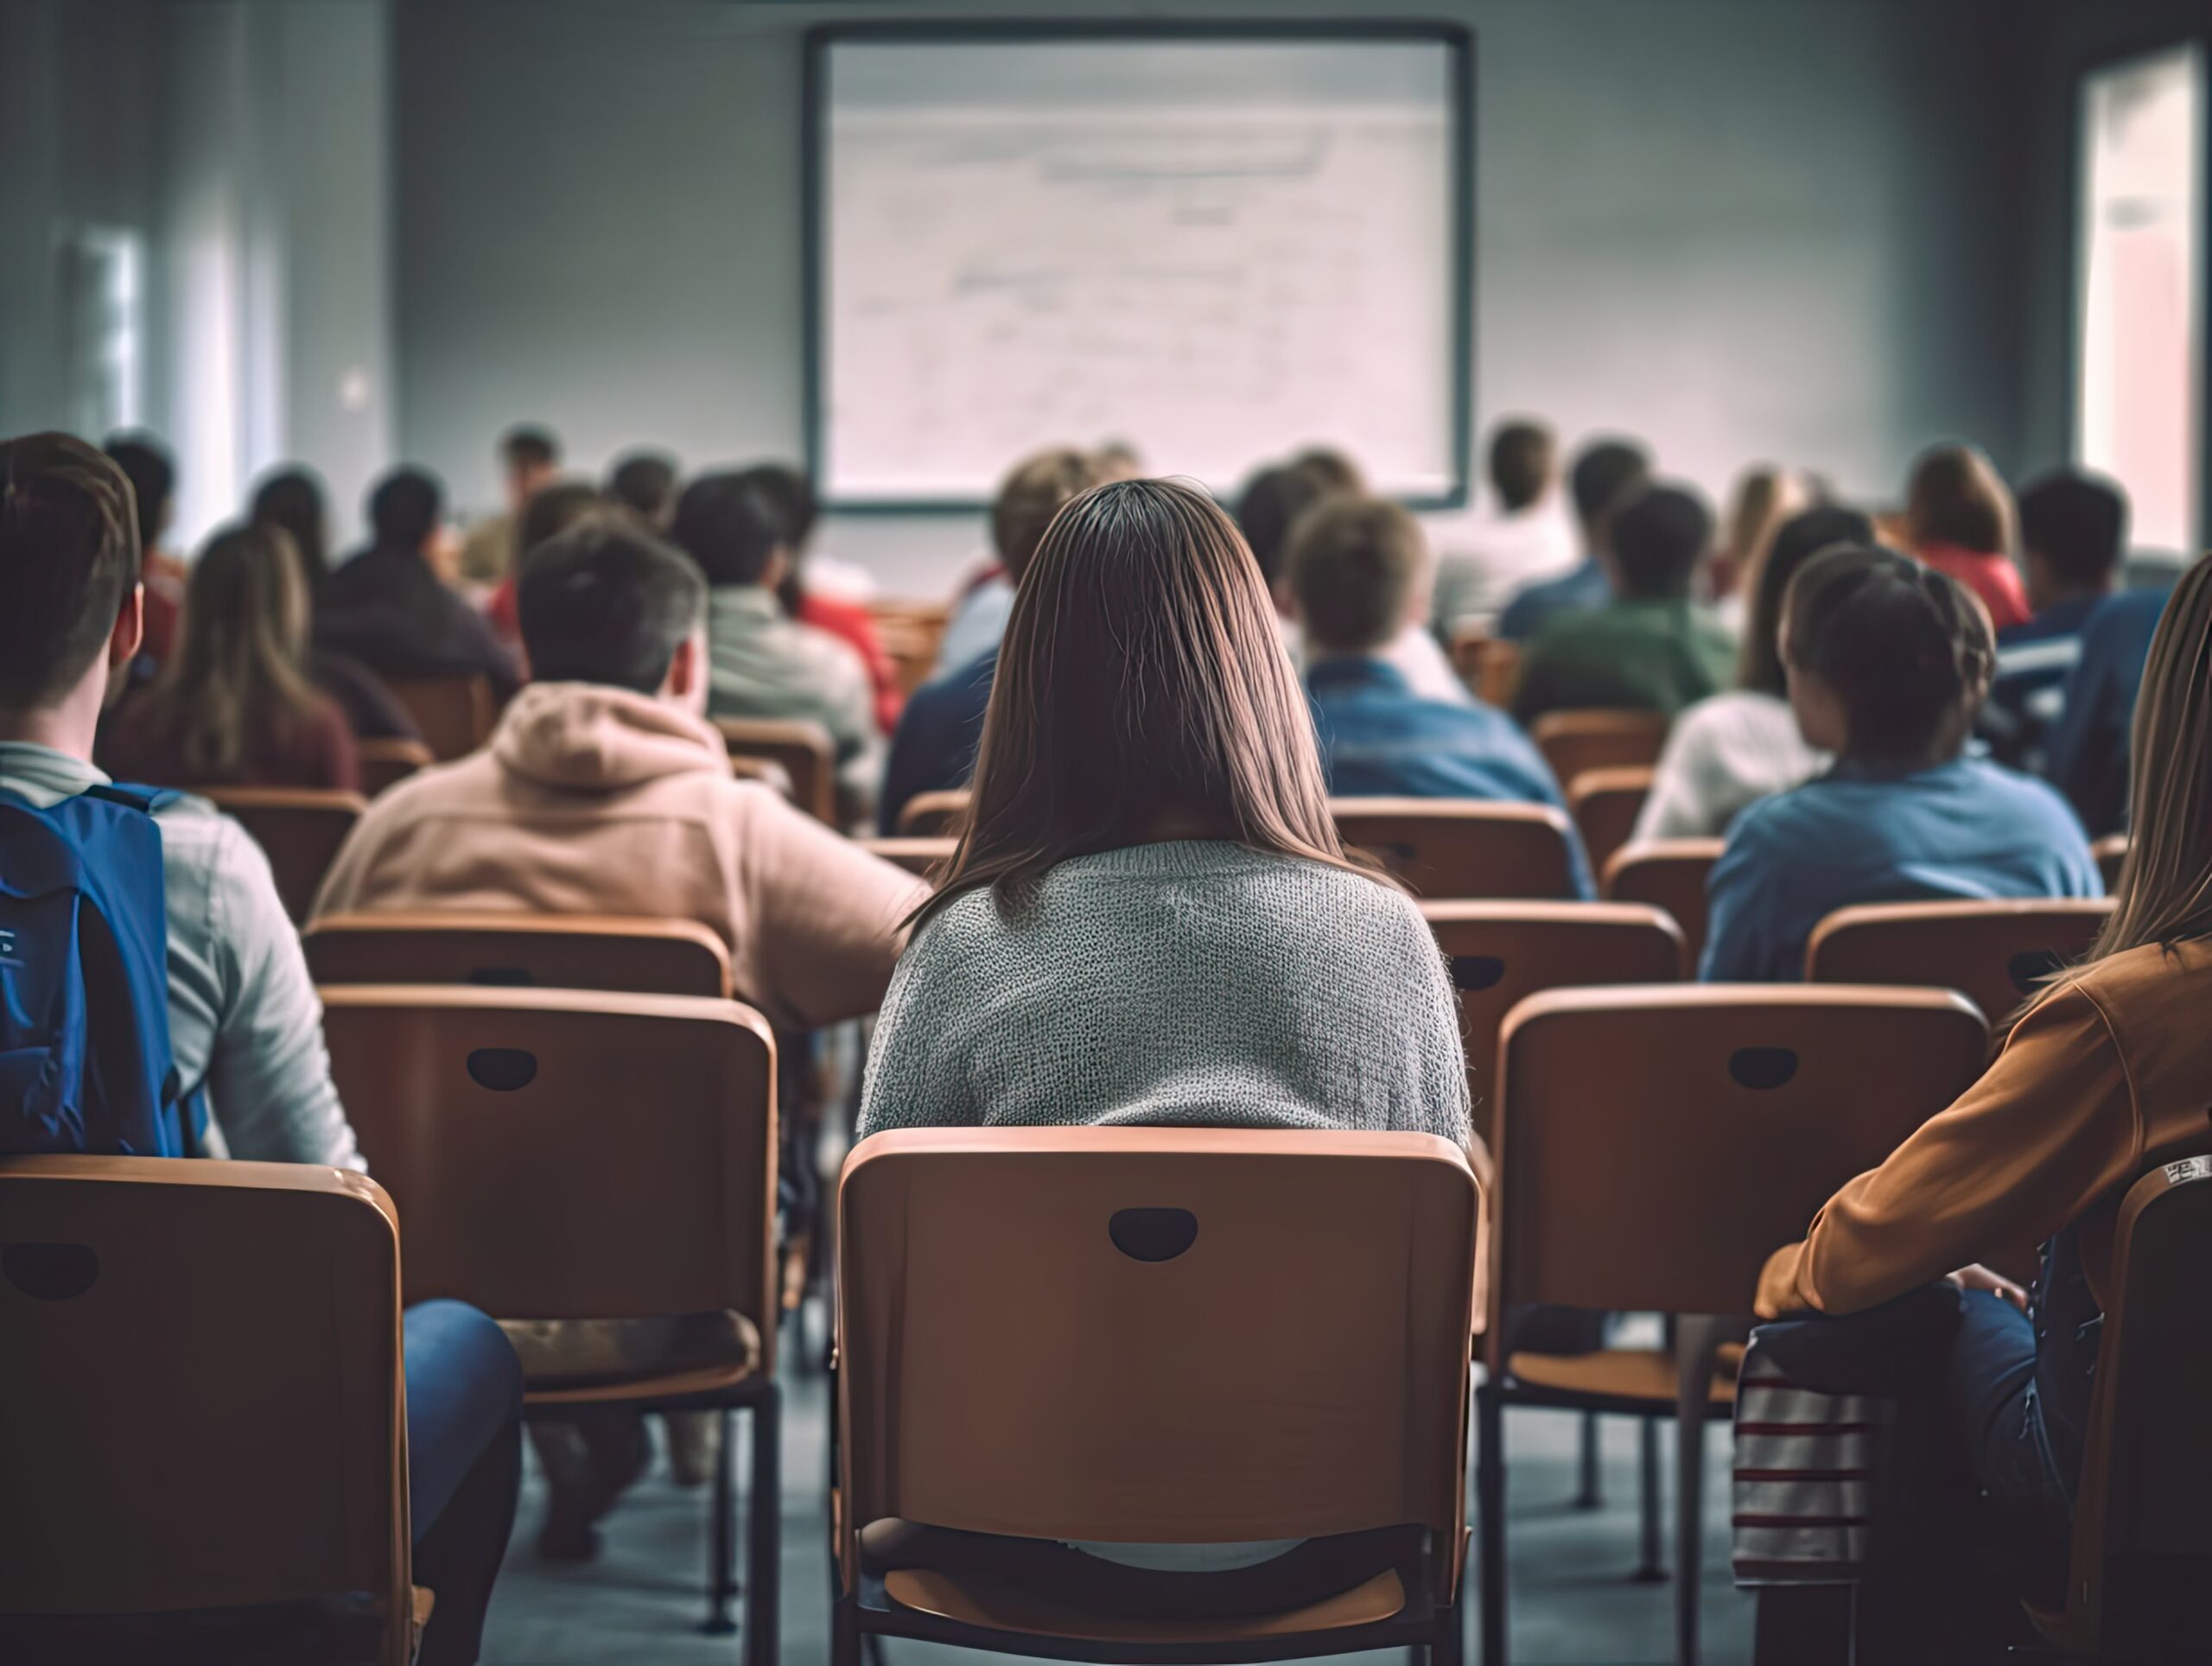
(464, 1467)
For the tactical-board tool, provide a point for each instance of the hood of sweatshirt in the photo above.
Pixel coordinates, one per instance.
(588, 737)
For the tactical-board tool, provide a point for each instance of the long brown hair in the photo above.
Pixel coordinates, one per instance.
(235, 683)
(1142, 676)
(1957, 497)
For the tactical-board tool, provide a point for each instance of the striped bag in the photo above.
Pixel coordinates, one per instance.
(1804, 1465)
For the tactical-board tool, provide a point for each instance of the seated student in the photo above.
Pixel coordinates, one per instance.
(764, 664)
(1648, 649)
(1017, 520)
(2073, 534)
(934, 749)
(548, 512)
(245, 1029)
(1763, 497)
(1606, 474)
(386, 607)
(1526, 540)
(849, 621)
(151, 470)
(234, 705)
(1149, 815)
(1958, 519)
(1888, 661)
(1355, 570)
(644, 482)
(1741, 746)
(2103, 1078)
(2088, 751)
(529, 458)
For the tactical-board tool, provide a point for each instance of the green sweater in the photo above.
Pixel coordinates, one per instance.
(1644, 656)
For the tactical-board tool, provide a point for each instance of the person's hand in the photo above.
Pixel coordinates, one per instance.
(1978, 1277)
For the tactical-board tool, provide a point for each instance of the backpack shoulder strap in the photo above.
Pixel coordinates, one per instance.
(147, 799)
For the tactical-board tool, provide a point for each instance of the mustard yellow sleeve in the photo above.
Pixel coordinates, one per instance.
(2051, 1127)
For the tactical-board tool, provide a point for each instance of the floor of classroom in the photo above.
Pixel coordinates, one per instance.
(641, 1601)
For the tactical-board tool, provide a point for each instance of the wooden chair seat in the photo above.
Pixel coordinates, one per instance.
(1645, 1376)
(990, 1605)
(580, 1353)
(345, 1630)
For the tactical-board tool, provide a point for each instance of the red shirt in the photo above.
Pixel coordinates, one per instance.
(1991, 577)
(850, 621)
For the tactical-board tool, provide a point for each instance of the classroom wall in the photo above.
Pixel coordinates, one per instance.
(1745, 228)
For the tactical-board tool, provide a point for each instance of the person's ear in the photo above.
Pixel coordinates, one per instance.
(124, 640)
(778, 570)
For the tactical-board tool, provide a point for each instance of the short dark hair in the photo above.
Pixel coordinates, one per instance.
(146, 463)
(1269, 506)
(1604, 472)
(290, 500)
(1906, 649)
(645, 481)
(1353, 565)
(68, 557)
(552, 509)
(526, 445)
(729, 526)
(1796, 542)
(1522, 455)
(2078, 523)
(605, 601)
(793, 495)
(403, 508)
(1659, 536)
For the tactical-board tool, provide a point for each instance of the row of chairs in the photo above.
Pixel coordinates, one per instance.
(1178, 1400)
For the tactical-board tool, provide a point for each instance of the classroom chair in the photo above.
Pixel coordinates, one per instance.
(804, 751)
(1153, 1335)
(565, 1155)
(1573, 741)
(518, 950)
(1669, 875)
(1462, 847)
(298, 829)
(767, 771)
(1605, 804)
(910, 632)
(1489, 665)
(386, 759)
(455, 713)
(176, 1465)
(2142, 1546)
(1997, 954)
(1654, 1146)
(934, 815)
(923, 857)
(2111, 853)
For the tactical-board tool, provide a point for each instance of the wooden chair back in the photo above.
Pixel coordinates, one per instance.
(1489, 665)
(1605, 804)
(1654, 1146)
(910, 632)
(389, 759)
(520, 952)
(803, 750)
(1575, 741)
(298, 829)
(454, 714)
(934, 815)
(2111, 853)
(201, 1406)
(1449, 848)
(922, 857)
(1669, 875)
(564, 1155)
(1187, 1397)
(1996, 953)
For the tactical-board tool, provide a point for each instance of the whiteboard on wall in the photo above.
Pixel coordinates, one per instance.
(1217, 248)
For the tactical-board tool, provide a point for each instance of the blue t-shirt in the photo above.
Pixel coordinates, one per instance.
(1965, 831)
(934, 750)
(1380, 740)
(2087, 745)
(2029, 690)
(1578, 592)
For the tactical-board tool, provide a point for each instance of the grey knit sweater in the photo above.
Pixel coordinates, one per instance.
(1192, 981)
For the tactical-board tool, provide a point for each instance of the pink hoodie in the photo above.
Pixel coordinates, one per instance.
(591, 799)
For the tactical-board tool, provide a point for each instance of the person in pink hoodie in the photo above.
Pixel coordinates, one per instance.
(606, 791)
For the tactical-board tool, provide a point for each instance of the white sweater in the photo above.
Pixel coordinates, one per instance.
(1723, 755)
(1195, 982)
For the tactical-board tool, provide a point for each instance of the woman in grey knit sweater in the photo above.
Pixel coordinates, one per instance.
(1151, 919)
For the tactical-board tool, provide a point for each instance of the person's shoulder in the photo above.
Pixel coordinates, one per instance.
(1780, 822)
(2028, 795)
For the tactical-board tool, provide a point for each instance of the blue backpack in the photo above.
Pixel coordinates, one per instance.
(85, 1058)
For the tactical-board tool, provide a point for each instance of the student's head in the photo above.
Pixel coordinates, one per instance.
(69, 564)
(1032, 492)
(1523, 461)
(2073, 536)
(607, 601)
(1270, 505)
(1764, 496)
(146, 462)
(529, 457)
(1657, 540)
(1796, 542)
(552, 509)
(236, 672)
(1889, 660)
(403, 510)
(791, 495)
(290, 501)
(2164, 893)
(1358, 572)
(645, 483)
(1332, 467)
(1142, 692)
(1605, 473)
(729, 526)
(1956, 497)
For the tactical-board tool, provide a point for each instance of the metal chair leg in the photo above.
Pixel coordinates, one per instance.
(1489, 1486)
(1589, 1484)
(1651, 1566)
(1697, 1345)
(722, 1565)
(765, 1536)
